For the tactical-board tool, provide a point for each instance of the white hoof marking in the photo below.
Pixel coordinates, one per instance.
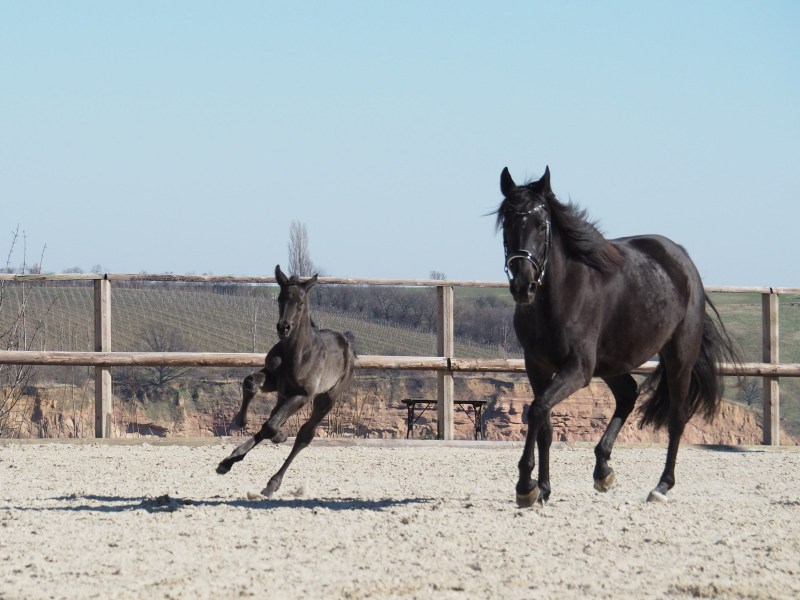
(656, 496)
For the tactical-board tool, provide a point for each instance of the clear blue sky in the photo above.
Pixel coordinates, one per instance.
(186, 136)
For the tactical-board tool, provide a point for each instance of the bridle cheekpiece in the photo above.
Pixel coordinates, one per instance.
(539, 266)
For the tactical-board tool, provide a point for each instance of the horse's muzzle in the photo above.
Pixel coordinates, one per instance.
(283, 330)
(522, 292)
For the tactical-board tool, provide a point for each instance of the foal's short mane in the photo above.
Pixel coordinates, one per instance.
(581, 239)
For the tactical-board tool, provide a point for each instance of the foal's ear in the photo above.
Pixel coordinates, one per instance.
(309, 283)
(545, 180)
(280, 277)
(507, 184)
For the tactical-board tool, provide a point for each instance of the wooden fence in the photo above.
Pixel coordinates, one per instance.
(444, 364)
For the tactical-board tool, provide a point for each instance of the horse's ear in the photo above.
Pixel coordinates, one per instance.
(545, 180)
(280, 277)
(507, 185)
(309, 283)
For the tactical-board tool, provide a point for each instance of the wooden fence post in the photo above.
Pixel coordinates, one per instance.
(770, 353)
(445, 348)
(102, 343)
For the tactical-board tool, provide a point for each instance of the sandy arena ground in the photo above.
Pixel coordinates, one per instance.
(414, 521)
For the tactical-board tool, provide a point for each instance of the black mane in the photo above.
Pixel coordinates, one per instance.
(581, 238)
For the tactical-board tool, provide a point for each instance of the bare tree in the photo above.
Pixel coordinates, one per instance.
(17, 332)
(299, 258)
(163, 338)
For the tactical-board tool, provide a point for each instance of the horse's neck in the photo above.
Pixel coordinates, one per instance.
(301, 337)
(552, 297)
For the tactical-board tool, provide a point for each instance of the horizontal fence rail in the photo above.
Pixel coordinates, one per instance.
(445, 365)
(400, 363)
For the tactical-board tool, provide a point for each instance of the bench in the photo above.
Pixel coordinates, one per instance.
(414, 404)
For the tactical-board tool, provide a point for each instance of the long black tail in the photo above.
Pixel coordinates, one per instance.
(706, 387)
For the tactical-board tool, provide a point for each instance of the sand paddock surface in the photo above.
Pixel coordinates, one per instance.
(402, 521)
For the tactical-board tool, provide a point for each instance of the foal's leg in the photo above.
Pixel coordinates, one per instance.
(268, 431)
(250, 387)
(265, 380)
(322, 405)
(625, 391)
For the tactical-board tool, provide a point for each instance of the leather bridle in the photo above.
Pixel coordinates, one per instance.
(539, 266)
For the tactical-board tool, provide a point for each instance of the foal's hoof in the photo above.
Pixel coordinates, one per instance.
(656, 496)
(271, 488)
(605, 484)
(278, 438)
(240, 420)
(529, 499)
(223, 468)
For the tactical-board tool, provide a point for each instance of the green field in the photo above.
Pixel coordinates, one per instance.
(200, 319)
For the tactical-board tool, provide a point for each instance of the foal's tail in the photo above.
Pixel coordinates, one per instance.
(351, 339)
(706, 386)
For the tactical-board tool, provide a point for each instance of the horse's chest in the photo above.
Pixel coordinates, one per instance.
(540, 336)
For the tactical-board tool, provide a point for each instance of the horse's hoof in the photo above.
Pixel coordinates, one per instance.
(656, 496)
(223, 468)
(240, 420)
(255, 496)
(278, 438)
(529, 499)
(605, 484)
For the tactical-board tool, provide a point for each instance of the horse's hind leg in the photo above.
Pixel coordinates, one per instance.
(679, 380)
(625, 391)
(322, 406)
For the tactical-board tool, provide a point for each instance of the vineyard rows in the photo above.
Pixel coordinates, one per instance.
(199, 320)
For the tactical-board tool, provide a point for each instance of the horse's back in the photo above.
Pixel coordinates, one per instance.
(655, 264)
(656, 292)
(336, 360)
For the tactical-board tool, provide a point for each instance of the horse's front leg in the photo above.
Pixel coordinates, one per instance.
(540, 431)
(266, 380)
(573, 377)
(269, 430)
(250, 387)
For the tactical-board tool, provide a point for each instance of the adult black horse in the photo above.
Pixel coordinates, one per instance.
(588, 306)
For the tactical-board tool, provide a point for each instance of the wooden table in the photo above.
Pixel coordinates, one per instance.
(414, 404)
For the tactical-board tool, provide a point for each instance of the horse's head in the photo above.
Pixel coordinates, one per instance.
(525, 219)
(292, 305)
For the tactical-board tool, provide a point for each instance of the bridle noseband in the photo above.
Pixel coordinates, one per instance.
(539, 266)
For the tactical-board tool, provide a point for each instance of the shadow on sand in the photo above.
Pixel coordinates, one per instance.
(166, 503)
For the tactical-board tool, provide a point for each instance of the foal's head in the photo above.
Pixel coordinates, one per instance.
(292, 304)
